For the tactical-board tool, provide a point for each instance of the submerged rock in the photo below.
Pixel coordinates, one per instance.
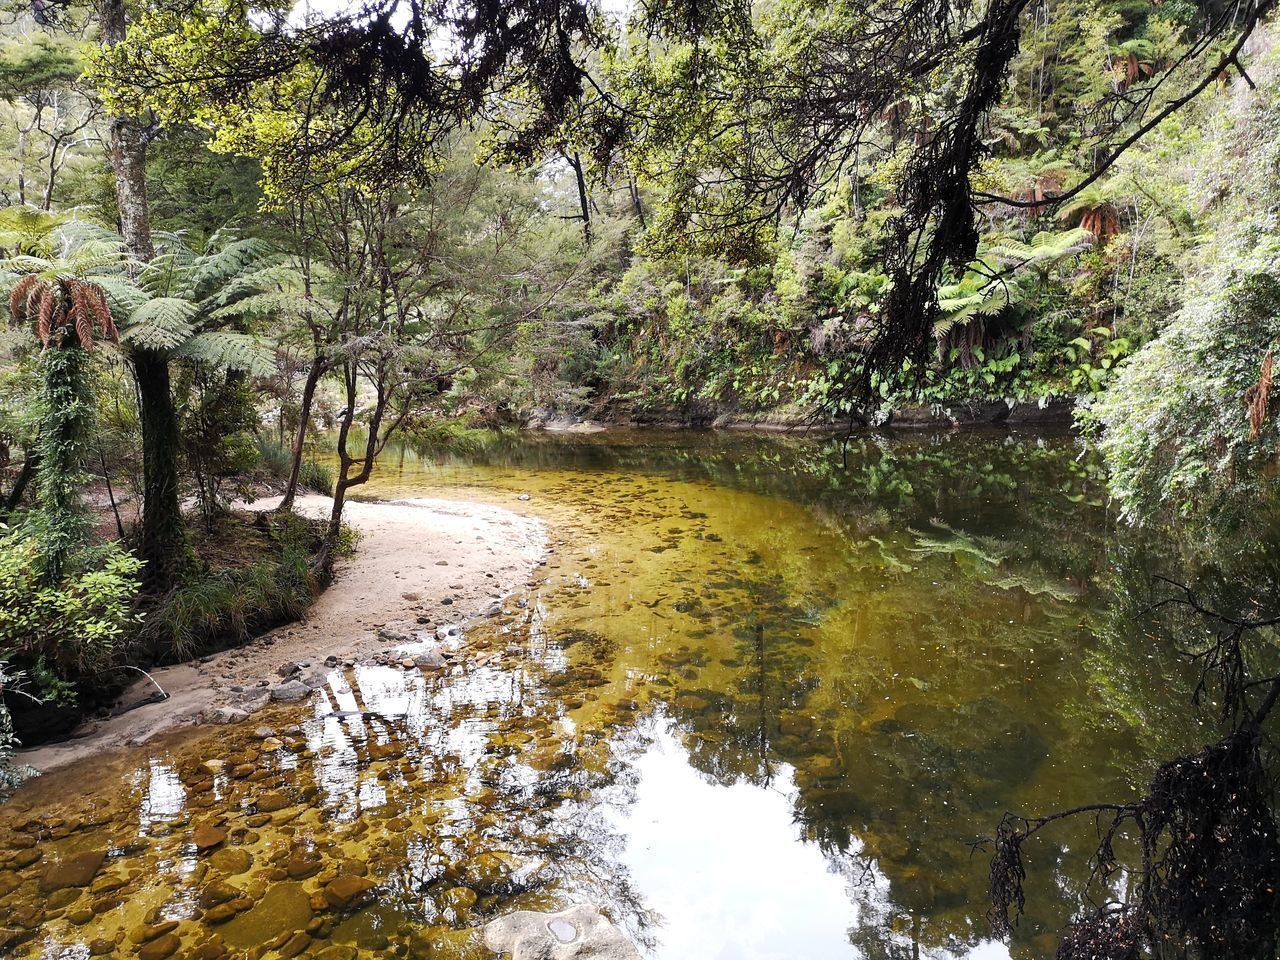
(286, 908)
(578, 933)
(159, 948)
(76, 871)
(208, 835)
(345, 889)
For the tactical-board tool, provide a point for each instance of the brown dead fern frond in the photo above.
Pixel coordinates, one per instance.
(65, 304)
(1258, 397)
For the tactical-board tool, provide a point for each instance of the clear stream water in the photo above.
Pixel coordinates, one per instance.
(758, 704)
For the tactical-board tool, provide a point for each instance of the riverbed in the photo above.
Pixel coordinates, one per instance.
(759, 701)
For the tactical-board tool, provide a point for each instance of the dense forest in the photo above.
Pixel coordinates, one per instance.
(253, 249)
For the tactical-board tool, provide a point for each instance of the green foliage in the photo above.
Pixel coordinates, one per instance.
(62, 631)
(218, 426)
(316, 477)
(1175, 429)
(223, 607)
(275, 460)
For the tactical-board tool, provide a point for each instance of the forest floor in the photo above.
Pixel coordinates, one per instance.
(420, 564)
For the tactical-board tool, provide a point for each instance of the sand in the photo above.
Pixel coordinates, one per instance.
(420, 563)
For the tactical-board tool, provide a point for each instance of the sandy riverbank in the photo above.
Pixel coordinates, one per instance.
(421, 563)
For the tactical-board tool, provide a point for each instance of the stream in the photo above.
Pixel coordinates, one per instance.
(759, 703)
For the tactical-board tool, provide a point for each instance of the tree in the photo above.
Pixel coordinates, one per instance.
(54, 121)
(65, 312)
(738, 121)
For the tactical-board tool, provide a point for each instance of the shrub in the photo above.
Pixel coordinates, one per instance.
(61, 632)
(275, 460)
(316, 476)
(10, 774)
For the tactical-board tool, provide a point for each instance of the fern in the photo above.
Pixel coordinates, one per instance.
(265, 305)
(161, 323)
(234, 351)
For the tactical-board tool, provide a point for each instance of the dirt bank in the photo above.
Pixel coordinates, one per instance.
(420, 564)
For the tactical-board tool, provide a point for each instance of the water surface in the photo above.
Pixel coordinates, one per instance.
(759, 703)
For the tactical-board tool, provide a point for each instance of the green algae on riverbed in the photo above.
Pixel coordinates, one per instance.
(757, 704)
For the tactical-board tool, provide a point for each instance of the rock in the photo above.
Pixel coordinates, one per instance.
(288, 669)
(302, 864)
(62, 898)
(796, 726)
(25, 858)
(448, 631)
(579, 933)
(215, 766)
(345, 889)
(489, 872)
(460, 898)
(273, 801)
(160, 948)
(1058, 411)
(75, 871)
(291, 691)
(408, 663)
(207, 836)
(286, 908)
(337, 951)
(101, 947)
(493, 610)
(147, 933)
(263, 733)
(523, 496)
(431, 660)
(271, 744)
(218, 892)
(294, 945)
(232, 860)
(692, 703)
(221, 913)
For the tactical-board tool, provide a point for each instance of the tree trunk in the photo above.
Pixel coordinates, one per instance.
(584, 204)
(20, 484)
(304, 419)
(163, 544)
(636, 203)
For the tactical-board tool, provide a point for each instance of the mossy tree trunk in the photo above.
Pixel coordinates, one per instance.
(163, 542)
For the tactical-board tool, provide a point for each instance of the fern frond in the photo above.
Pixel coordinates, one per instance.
(225, 349)
(265, 305)
(123, 294)
(214, 270)
(161, 323)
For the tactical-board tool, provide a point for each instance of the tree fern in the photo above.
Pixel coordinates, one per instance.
(161, 323)
(226, 349)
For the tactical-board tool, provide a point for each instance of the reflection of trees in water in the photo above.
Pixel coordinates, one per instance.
(900, 774)
(911, 764)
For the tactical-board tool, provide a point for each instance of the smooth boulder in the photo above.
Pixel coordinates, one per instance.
(578, 933)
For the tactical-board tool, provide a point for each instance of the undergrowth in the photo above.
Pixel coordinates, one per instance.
(226, 604)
